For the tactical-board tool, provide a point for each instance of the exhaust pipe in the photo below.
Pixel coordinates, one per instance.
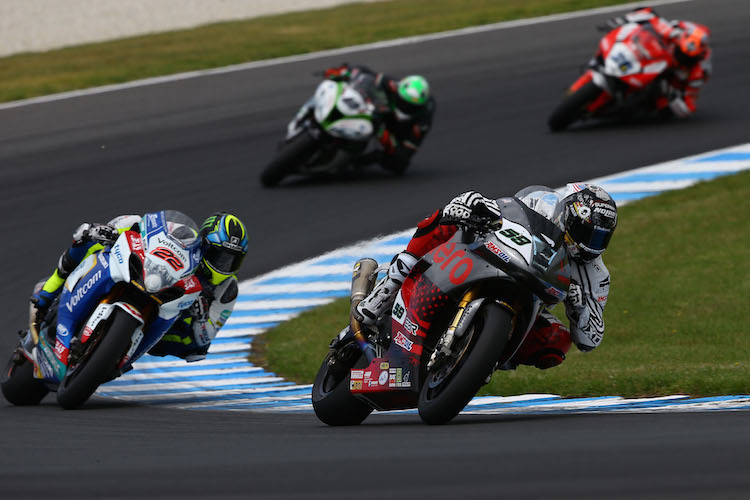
(363, 281)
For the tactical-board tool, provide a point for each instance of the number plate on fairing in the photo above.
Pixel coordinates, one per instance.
(516, 237)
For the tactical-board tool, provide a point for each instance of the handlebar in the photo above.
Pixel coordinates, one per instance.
(476, 224)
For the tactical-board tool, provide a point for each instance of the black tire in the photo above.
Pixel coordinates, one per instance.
(332, 401)
(572, 106)
(291, 155)
(439, 403)
(97, 367)
(19, 386)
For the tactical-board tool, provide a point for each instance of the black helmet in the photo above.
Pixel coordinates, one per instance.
(589, 218)
(224, 246)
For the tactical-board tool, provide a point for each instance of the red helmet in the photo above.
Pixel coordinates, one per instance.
(691, 45)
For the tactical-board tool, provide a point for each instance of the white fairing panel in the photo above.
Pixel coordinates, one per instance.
(325, 99)
(119, 259)
(169, 310)
(355, 129)
(351, 103)
(621, 61)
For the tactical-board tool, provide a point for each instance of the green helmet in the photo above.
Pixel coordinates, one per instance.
(413, 94)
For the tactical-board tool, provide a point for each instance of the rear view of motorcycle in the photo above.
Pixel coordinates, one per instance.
(330, 131)
(625, 76)
(462, 312)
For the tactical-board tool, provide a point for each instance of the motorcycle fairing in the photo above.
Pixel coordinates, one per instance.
(83, 288)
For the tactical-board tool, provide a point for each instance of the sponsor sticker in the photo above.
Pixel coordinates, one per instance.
(356, 385)
(62, 331)
(383, 378)
(358, 374)
(411, 327)
(384, 366)
(497, 251)
(401, 340)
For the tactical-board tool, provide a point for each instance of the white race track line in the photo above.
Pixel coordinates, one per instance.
(333, 52)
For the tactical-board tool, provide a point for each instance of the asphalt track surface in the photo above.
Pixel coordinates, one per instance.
(198, 145)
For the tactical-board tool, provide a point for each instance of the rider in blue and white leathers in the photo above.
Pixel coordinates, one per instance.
(224, 245)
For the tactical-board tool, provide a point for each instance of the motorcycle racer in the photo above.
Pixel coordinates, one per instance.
(689, 44)
(405, 127)
(224, 246)
(588, 217)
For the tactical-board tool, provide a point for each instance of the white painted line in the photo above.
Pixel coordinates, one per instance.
(333, 52)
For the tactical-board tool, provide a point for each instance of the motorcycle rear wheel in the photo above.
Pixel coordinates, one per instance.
(332, 400)
(291, 156)
(19, 386)
(444, 395)
(97, 367)
(572, 107)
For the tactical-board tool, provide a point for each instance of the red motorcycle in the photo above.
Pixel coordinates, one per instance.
(462, 312)
(627, 73)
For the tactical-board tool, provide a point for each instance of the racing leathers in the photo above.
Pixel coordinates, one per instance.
(679, 94)
(549, 340)
(189, 337)
(401, 134)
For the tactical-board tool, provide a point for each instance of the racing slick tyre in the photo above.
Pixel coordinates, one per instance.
(291, 155)
(99, 363)
(453, 381)
(332, 401)
(19, 386)
(572, 106)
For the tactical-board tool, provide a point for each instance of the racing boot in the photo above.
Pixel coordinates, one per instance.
(384, 294)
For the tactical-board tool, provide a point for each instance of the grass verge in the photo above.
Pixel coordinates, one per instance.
(222, 44)
(676, 317)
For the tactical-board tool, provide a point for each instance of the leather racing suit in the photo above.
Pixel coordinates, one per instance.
(401, 135)
(549, 340)
(188, 338)
(688, 77)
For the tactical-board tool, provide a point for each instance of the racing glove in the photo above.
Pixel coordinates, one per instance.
(99, 233)
(471, 203)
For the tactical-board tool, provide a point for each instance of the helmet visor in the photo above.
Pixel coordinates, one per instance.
(223, 260)
(589, 237)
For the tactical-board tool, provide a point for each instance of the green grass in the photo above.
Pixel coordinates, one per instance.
(34, 74)
(676, 318)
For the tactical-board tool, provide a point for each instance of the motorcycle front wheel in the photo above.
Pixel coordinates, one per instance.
(573, 106)
(332, 400)
(289, 158)
(99, 363)
(451, 383)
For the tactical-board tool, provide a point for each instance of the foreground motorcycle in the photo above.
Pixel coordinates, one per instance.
(463, 311)
(330, 131)
(114, 307)
(629, 70)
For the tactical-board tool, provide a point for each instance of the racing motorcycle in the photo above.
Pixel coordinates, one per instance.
(114, 307)
(462, 312)
(630, 69)
(331, 131)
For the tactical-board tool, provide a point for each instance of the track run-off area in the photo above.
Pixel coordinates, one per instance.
(197, 144)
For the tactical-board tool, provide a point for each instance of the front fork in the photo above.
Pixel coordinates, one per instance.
(468, 306)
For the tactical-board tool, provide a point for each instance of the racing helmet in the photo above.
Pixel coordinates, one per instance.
(589, 219)
(224, 246)
(413, 92)
(691, 45)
